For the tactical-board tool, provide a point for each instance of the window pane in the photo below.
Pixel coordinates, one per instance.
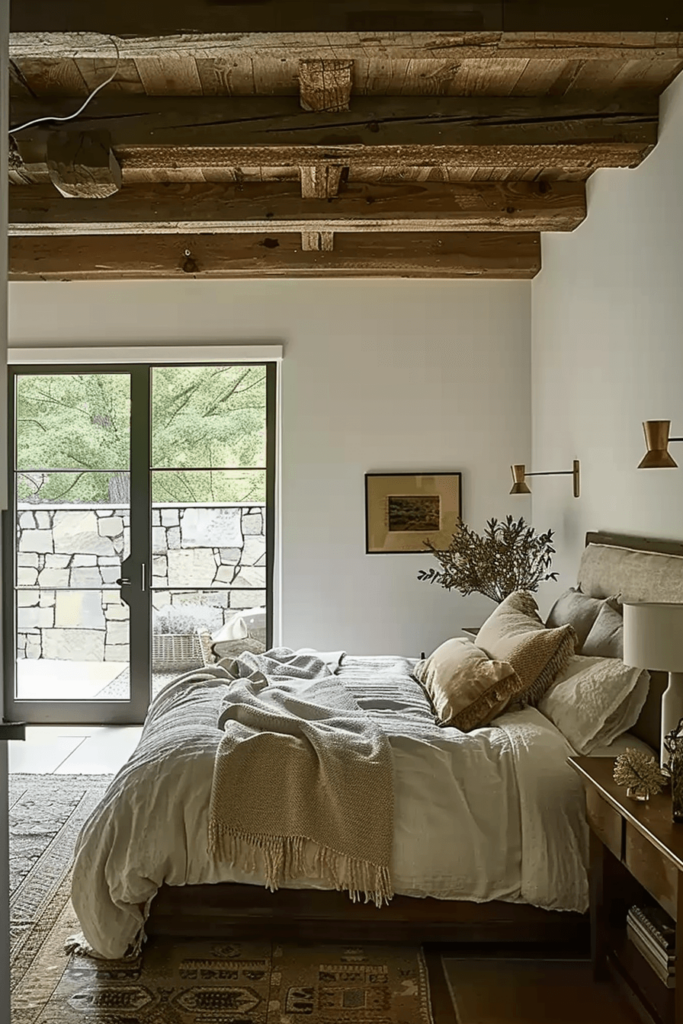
(219, 545)
(186, 622)
(188, 487)
(73, 421)
(71, 546)
(83, 487)
(208, 416)
(72, 645)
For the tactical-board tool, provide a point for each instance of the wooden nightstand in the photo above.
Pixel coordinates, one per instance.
(636, 852)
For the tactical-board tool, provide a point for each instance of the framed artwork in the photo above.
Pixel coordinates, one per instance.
(403, 510)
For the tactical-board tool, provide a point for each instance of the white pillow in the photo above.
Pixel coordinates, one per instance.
(234, 628)
(594, 700)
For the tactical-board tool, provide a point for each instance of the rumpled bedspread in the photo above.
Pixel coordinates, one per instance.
(496, 813)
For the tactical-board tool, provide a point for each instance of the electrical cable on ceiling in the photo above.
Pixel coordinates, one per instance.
(70, 117)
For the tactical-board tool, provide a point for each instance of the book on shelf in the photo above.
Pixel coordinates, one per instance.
(652, 953)
(656, 922)
(666, 953)
(667, 976)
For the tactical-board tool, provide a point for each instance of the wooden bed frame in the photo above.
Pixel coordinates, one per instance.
(231, 910)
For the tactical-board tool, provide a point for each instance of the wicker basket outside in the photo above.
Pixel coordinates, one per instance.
(227, 648)
(176, 651)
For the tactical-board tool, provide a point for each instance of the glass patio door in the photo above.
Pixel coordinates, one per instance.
(140, 529)
(77, 545)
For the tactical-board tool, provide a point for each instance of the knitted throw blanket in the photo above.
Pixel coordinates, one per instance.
(302, 772)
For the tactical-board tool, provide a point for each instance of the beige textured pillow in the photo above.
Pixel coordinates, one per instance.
(514, 633)
(575, 609)
(466, 687)
(606, 638)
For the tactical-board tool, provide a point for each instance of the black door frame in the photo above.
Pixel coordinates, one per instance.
(137, 568)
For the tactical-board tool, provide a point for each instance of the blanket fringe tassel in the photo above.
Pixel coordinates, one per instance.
(284, 861)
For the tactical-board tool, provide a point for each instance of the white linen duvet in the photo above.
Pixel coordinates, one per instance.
(496, 813)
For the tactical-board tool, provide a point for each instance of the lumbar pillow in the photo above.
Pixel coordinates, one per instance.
(578, 610)
(514, 633)
(595, 700)
(467, 688)
(606, 638)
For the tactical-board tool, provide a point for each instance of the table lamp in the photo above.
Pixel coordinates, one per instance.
(653, 639)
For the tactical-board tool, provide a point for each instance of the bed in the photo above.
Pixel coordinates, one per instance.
(508, 857)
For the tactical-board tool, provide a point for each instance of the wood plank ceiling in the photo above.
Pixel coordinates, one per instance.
(399, 154)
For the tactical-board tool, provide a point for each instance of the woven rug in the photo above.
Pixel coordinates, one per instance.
(186, 982)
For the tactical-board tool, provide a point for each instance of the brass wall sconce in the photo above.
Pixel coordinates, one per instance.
(519, 475)
(657, 440)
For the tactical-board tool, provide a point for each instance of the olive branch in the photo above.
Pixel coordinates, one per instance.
(508, 556)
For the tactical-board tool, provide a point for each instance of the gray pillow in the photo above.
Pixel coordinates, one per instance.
(606, 638)
(575, 609)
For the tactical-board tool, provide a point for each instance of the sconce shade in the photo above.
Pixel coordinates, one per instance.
(657, 441)
(653, 636)
(519, 486)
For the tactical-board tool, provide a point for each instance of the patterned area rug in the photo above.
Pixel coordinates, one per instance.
(191, 982)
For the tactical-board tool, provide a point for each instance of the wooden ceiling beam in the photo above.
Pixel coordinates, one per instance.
(246, 208)
(272, 122)
(335, 18)
(465, 255)
(600, 46)
(182, 137)
(188, 163)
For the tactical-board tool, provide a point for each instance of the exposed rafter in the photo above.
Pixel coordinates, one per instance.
(353, 152)
(264, 122)
(595, 46)
(427, 206)
(508, 256)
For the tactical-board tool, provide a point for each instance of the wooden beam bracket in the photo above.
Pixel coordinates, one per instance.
(321, 181)
(317, 241)
(325, 84)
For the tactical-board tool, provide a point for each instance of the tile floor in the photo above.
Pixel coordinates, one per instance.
(73, 749)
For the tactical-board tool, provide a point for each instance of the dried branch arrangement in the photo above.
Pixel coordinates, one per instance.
(670, 747)
(508, 556)
(639, 772)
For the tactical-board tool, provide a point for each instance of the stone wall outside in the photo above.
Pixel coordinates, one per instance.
(78, 546)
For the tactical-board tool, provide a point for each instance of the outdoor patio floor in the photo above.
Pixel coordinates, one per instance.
(45, 679)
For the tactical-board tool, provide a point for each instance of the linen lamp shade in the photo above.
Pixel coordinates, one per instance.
(653, 636)
(653, 639)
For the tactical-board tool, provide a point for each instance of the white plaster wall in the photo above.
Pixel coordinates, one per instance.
(607, 352)
(378, 376)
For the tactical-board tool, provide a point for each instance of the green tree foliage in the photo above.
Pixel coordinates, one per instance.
(211, 417)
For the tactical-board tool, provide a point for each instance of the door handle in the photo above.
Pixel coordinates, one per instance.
(124, 581)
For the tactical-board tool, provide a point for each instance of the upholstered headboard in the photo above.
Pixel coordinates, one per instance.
(637, 569)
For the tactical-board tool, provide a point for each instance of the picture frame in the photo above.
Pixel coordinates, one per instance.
(403, 510)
